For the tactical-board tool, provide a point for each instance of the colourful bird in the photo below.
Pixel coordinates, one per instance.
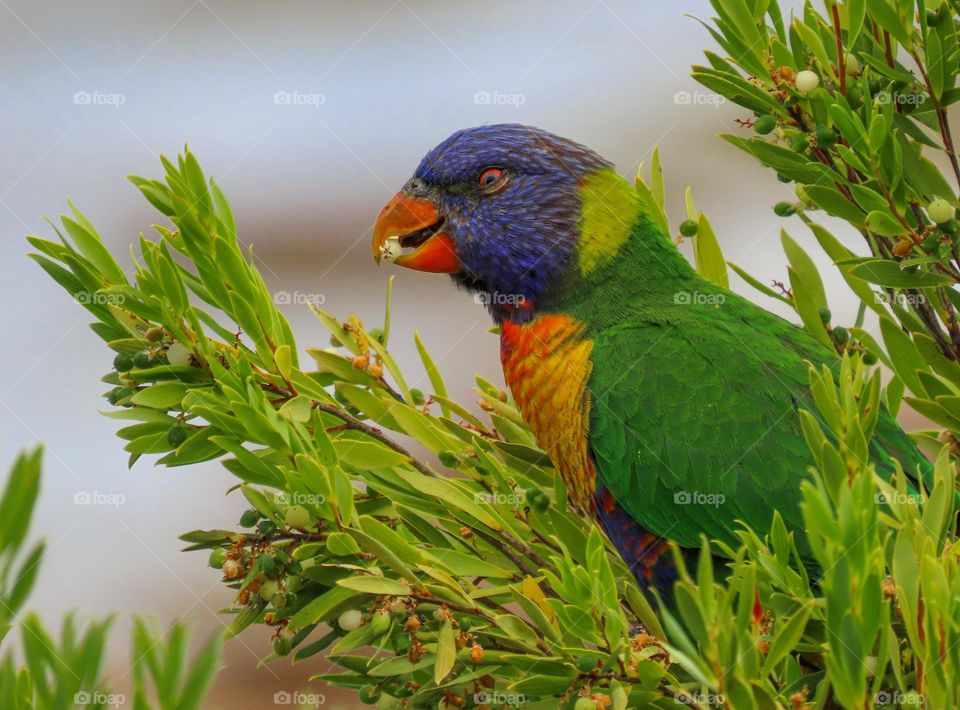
(667, 403)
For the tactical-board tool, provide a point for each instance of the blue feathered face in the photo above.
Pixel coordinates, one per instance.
(497, 207)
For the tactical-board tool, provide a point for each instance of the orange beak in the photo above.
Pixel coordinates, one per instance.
(409, 233)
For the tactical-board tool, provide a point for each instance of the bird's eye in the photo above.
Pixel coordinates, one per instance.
(490, 178)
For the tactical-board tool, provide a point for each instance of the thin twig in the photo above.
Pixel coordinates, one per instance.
(358, 425)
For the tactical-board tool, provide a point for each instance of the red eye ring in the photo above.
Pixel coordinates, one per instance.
(490, 177)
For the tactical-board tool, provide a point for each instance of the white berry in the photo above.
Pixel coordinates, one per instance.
(350, 620)
(178, 354)
(807, 81)
(940, 210)
(851, 64)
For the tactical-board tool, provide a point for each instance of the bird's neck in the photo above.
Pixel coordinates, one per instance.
(621, 257)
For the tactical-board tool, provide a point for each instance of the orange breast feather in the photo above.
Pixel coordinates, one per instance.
(546, 363)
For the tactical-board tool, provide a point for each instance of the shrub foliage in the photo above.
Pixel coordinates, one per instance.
(429, 551)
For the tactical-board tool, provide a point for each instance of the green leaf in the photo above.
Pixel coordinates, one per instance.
(881, 222)
(163, 395)
(446, 652)
(888, 273)
(707, 254)
(375, 585)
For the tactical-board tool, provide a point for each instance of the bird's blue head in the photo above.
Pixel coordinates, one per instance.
(498, 207)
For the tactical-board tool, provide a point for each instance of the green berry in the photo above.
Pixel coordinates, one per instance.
(585, 704)
(799, 142)
(122, 363)
(176, 435)
(268, 589)
(940, 211)
(281, 645)
(267, 527)
(869, 358)
(294, 567)
(784, 209)
(688, 228)
(380, 622)
(266, 563)
(854, 97)
(294, 584)
(541, 502)
(154, 334)
(249, 518)
(142, 359)
(376, 334)
(950, 226)
(369, 694)
(217, 558)
(586, 664)
(417, 396)
(764, 124)
(825, 136)
(448, 459)
(841, 334)
(825, 315)
(296, 516)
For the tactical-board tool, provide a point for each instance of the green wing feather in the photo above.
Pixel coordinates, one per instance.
(693, 418)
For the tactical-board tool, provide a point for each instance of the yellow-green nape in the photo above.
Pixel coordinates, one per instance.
(609, 209)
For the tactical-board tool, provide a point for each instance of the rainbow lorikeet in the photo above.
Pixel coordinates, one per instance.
(667, 403)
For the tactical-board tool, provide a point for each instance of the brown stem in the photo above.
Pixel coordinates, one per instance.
(375, 433)
(519, 561)
(941, 119)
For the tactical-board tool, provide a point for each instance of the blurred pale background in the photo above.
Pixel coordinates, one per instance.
(310, 114)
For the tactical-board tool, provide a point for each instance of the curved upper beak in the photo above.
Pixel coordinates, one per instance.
(409, 232)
